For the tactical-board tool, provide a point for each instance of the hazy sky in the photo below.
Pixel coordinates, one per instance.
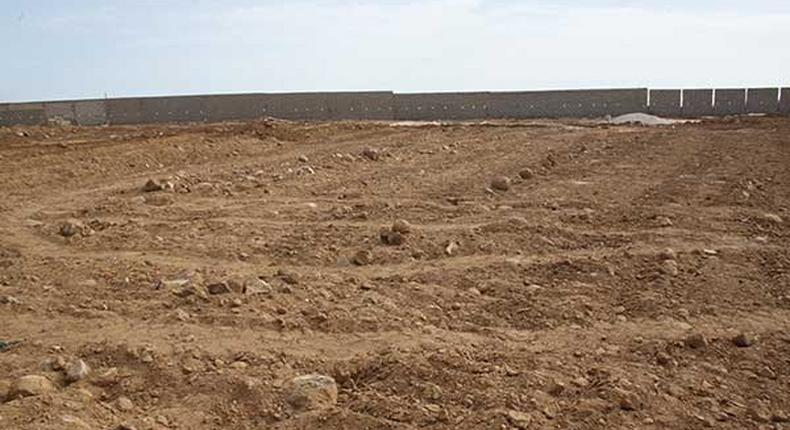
(75, 49)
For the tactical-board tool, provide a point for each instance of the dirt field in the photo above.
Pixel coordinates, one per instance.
(602, 290)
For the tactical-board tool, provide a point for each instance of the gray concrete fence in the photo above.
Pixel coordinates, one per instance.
(389, 106)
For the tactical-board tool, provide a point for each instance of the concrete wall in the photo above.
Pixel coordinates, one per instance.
(171, 109)
(437, 106)
(23, 114)
(730, 102)
(698, 102)
(298, 106)
(574, 103)
(90, 112)
(125, 111)
(762, 100)
(378, 105)
(385, 105)
(234, 106)
(784, 102)
(60, 111)
(665, 103)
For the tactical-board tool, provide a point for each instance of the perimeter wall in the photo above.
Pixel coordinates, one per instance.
(389, 106)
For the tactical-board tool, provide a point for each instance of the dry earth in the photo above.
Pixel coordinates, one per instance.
(601, 290)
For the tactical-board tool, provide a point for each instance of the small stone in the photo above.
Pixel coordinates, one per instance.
(664, 359)
(780, 417)
(670, 267)
(668, 254)
(696, 341)
(519, 420)
(581, 381)
(57, 363)
(182, 315)
(664, 221)
(390, 237)
(9, 300)
(526, 173)
(433, 408)
(239, 365)
(170, 283)
(30, 385)
(402, 226)
(107, 378)
(311, 392)
(305, 170)
(371, 154)
(89, 283)
(533, 288)
(627, 400)
(76, 371)
(219, 288)
(432, 391)
(743, 340)
(71, 228)
(153, 185)
(451, 248)
(257, 286)
(773, 218)
(555, 388)
(500, 183)
(289, 278)
(362, 257)
(124, 403)
(303, 158)
(191, 290)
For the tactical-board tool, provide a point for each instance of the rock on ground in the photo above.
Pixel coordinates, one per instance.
(71, 228)
(743, 340)
(371, 154)
(526, 173)
(219, 288)
(500, 183)
(152, 185)
(311, 392)
(401, 226)
(30, 385)
(696, 341)
(391, 237)
(362, 257)
(76, 371)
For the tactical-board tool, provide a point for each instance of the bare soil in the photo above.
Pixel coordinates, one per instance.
(603, 290)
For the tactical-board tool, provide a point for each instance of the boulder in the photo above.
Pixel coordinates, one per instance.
(311, 392)
(30, 385)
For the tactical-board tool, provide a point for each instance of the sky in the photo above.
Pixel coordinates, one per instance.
(69, 49)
